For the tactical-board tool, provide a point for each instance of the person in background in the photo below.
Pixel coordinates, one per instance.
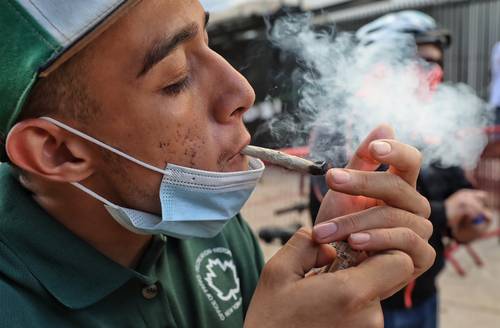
(454, 202)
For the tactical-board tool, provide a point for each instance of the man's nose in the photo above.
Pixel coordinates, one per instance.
(232, 95)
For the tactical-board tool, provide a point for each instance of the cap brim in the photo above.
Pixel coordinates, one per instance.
(87, 38)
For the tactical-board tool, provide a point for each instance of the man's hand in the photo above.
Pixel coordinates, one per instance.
(404, 163)
(379, 212)
(468, 216)
(285, 297)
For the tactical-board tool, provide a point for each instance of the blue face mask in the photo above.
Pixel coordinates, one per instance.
(194, 203)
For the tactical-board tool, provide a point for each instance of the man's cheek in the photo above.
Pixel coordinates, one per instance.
(187, 149)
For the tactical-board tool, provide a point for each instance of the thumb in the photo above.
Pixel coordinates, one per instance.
(299, 255)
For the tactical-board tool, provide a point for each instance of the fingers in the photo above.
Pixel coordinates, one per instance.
(488, 216)
(480, 206)
(473, 203)
(299, 255)
(480, 195)
(479, 222)
(373, 218)
(474, 206)
(397, 268)
(378, 276)
(326, 255)
(363, 159)
(384, 186)
(403, 160)
(403, 239)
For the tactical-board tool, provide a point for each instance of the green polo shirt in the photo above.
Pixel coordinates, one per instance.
(51, 278)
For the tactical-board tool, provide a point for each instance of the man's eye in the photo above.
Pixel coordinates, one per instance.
(176, 88)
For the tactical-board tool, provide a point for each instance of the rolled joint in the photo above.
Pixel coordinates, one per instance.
(290, 162)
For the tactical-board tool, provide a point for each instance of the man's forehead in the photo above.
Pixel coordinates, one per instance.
(159, 17)
(148, 22)
(127, 41)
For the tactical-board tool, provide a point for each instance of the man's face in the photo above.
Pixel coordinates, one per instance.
(165, 97)
(431, 53)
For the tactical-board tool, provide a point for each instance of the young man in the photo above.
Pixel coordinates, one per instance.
(119, 203)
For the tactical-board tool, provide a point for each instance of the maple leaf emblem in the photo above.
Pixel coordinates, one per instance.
(223, 279)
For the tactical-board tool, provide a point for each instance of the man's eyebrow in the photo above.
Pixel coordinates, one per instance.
(161, 49)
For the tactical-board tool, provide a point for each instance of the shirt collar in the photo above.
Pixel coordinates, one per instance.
(74, 272)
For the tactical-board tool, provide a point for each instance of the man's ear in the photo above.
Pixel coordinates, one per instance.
(39, 147)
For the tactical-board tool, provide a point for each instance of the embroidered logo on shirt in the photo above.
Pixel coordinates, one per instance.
(216, 274)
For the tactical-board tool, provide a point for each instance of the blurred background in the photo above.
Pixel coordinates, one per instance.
(469, 285)
(239, 32)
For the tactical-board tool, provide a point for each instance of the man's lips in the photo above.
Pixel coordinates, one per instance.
(238, 153)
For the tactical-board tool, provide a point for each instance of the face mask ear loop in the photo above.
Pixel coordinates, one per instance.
(102, 144)
(93, 194)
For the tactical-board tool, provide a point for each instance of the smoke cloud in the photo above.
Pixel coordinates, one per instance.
(347, 90)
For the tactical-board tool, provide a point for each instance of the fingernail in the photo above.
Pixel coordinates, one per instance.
(325, 230)
(340, 176)
(382, 148)
(359, 238)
